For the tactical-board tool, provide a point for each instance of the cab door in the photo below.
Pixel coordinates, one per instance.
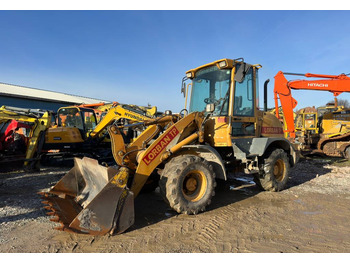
(243, 118)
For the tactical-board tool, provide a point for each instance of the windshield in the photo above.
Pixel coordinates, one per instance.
(211, 86)
(70, 117)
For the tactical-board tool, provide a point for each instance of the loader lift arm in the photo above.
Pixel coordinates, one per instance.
(335, 84)
(106, 189)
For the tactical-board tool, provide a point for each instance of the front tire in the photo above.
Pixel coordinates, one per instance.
(347, 153)
(188, 184)
(274, 174)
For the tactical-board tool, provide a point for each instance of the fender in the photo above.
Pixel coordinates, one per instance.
(211, 155)
(250, 147)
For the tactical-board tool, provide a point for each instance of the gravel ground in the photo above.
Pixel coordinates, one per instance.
(310, 215)
(19, 203)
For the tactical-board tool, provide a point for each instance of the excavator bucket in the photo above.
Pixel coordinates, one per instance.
(91, 199)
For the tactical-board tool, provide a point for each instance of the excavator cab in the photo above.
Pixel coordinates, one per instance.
(74, 125)
(82, 118)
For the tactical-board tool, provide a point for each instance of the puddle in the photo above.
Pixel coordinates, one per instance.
(243, 179)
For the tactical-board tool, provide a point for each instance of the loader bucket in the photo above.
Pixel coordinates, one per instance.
(91, 199)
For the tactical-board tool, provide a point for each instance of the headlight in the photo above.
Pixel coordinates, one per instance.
(189, 75)
(222, 64)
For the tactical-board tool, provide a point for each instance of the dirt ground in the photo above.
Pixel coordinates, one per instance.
(311, 215)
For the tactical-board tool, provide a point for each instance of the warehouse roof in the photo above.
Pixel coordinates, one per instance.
(44, 95)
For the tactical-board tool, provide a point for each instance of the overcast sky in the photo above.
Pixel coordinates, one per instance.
(140, 57)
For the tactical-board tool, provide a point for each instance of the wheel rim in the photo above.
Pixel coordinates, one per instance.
(194, 185)
(278, 170)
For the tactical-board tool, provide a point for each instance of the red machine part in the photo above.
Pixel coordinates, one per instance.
(7, 138)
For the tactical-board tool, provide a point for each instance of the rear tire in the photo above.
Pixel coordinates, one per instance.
(274, 174)
(188, 184)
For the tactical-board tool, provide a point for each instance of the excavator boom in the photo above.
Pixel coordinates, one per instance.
(118, 112)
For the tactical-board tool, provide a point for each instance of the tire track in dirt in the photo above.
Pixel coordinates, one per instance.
(196, 233)
(152, 238)
(209, 237)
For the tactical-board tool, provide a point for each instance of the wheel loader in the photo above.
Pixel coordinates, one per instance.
(221, 131)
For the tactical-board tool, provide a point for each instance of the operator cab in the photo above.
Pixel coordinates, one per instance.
(82, 118)
(231, 85)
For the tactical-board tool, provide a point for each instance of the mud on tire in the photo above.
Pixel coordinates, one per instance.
(274, 173)
(187, 184)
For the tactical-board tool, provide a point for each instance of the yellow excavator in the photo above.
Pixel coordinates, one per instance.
(311, 123)
(221, 131)
(15, 146)
(78, 131)
(331, 135)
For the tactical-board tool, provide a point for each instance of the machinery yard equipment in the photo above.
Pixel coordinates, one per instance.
(25, 147)
(78, 131)
(331, 135)
(221, 131)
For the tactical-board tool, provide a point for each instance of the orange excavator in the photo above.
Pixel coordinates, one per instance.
(334, 129)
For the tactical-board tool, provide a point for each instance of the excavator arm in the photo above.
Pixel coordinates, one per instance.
(118, 112)
(335, 84)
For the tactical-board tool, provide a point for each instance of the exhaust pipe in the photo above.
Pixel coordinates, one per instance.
(265, 94)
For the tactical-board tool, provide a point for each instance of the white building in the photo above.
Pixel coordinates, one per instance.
(27, 97)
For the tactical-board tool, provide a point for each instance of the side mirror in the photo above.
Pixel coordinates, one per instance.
(241, 72)
(183, 89)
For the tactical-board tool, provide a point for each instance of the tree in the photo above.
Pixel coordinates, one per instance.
(341, 102)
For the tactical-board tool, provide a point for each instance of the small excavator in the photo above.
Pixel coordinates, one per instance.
(78, 131)
(25, 147)
(331, 135)
(221, 131)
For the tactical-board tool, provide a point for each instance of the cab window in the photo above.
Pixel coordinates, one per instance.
(244, 96)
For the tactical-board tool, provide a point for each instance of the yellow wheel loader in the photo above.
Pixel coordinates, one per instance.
(221, 131)
(36, 121)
